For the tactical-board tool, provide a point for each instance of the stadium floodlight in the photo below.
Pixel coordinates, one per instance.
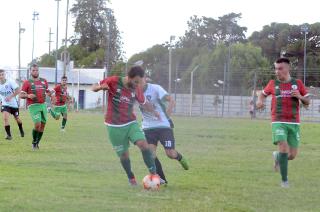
(220, 82)
(139, 63)
(216, 85)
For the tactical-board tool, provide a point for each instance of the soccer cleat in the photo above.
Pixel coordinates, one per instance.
(9, 137)
(34, 147)
(62, 130)
(49, 109)
(22, 134)
(163, 182)
(184, 163)
(285, 184)
(276, 164)
(133, 182)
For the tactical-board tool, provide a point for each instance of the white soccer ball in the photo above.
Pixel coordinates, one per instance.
(151, 182)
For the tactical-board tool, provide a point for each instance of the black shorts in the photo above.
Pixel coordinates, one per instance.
(164, 135)
(11, 110)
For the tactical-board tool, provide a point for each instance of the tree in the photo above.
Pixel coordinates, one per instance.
(95, 28)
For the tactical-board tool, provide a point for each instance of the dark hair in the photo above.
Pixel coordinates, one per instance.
(283, 60)
(136, 71)
(1, 70)
(64, 77)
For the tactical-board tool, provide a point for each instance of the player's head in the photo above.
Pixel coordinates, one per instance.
(135, 76)
(64, 80)
(34, 70)
(2, 75)
(282, 68)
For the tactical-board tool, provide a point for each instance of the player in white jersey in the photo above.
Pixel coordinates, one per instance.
(9, 103)
(160, 129)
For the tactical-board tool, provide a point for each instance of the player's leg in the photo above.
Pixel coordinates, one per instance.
(119, 140)
(54, 112)
(64, 112)
(293, 140)
(5, 116)
(168, 141)
(35, 114)
(18, 120)
(43, 122)
(137, 137)
(280, 135)
(152, 137)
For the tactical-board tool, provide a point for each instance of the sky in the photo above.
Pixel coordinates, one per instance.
(143, 23)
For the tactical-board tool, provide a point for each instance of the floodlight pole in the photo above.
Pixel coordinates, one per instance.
(305, 30)
(21, 30)
(57, 44)
(191, 90)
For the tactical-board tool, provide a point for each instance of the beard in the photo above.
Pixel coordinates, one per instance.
(35, 75)
(131, 85)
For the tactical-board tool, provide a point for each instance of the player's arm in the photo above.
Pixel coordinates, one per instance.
(171, 104)
(261, 101)
(100, 86)
(301, 94)
(24, 92)
(14, 94)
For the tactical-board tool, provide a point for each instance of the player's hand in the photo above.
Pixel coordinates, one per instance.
(8, 98)
(104, 87)
(157, 115)
(31, 96)
(296, 93)
(260, 105)
(169, 112)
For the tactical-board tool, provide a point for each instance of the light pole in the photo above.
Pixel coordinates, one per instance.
(57, 43)
(305, 30)
(21, 30)
(66, 56)
(35, 16)
(170, 62)
(191, 89)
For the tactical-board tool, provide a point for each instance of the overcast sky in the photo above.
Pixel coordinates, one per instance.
(143, 23)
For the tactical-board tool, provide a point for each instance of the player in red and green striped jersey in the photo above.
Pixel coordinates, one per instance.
(121, 122)
(287, 93)
(60, 100)
(35, 91)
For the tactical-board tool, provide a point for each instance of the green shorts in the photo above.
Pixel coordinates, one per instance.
(121, 136)
(286, 132)
(38, 112)
(61, 109)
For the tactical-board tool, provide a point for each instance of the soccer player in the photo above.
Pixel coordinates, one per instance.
(9, 103)
(121, 122)
(60, 100)
(35, 90)
(287, 93)
(160, 129)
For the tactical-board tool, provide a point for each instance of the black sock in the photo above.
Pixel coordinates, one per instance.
(127, 167)
(20, 127)
(8, 130)
(179, 156)
(39, 136)
(159, 169)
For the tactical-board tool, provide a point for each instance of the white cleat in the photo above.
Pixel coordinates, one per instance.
(62, 130)
(285, 184)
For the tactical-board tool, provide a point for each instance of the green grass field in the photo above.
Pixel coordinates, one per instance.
(230, 170)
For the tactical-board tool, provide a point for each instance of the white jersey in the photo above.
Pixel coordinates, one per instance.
(155, 94)
(7, 89)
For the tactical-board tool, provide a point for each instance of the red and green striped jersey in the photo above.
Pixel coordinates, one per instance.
(121, 101)
(36, 87)
(284, 107)
(61, 95)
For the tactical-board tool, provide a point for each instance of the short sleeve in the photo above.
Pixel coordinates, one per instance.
(161, 92)
(139, 96)
(269, 88)
(302, 89)
(25, 86)
(108, 80)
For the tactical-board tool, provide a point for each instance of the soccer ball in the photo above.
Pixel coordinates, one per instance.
(151, 182)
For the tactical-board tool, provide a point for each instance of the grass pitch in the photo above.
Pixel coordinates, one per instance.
(230, 169)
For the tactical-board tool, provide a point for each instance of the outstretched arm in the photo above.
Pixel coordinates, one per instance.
(97, 87)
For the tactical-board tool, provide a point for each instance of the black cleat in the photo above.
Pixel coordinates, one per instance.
(9, 137)
(22, 134)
